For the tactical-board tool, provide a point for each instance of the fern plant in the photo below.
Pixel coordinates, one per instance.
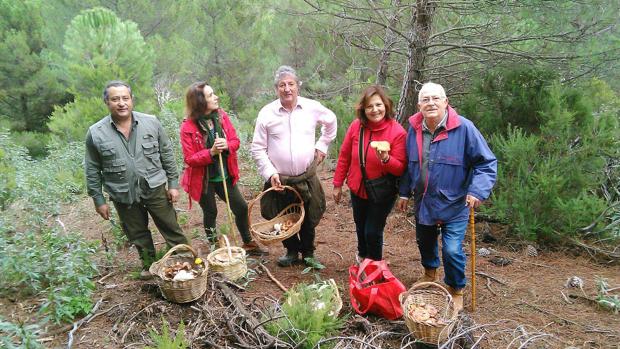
(165, 341)
(307, 315)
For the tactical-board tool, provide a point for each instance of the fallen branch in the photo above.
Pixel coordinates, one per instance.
(272, 277)
(491, 277)
(339, 255)
(566, 298)
(127, 332)
(552, 314)
(248, 317)
(489, 287)
(79, 323)
(100, 281)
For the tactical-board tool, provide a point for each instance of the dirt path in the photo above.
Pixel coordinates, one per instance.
(523, 299)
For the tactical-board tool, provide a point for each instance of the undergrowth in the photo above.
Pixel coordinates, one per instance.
(51, 264)
(307, 315)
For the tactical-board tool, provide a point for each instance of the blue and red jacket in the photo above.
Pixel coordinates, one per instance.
(460, 163)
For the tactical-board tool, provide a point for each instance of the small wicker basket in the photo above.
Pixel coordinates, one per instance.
(228, 260)
(180, 291)
(264, 231)
(437, 296)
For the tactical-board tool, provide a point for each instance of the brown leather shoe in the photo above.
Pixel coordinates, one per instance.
(457, 298)
(430, 275)
(253, 249)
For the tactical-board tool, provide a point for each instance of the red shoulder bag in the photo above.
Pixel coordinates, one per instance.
(374, 289)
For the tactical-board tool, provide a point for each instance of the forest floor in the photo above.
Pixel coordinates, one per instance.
(523, 304)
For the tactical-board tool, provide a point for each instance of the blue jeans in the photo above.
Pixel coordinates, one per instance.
(370, 220)
(453, 256)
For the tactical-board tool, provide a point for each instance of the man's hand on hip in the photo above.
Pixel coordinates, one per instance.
(319, 155)
(173, 195)
(104, 211)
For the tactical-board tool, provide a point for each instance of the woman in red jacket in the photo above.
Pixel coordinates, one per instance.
(375, 118)
(206, 133)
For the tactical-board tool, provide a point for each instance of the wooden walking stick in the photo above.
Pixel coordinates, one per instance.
(230, 219)
(472, 229)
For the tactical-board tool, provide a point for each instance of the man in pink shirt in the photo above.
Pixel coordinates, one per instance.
(286, 152)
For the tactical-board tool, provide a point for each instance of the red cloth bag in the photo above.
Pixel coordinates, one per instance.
(374, 289)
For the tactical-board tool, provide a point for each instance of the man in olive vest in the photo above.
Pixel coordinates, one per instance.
(130, 155)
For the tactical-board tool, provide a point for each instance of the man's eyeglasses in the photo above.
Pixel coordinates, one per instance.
(434, 99)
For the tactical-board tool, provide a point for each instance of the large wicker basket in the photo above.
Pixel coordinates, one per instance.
(437, 296)
(180, 291)
(229, 261)
(264, 231)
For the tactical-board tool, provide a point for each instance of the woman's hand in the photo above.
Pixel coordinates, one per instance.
(384, 156)
(219, 145)
(337, 194)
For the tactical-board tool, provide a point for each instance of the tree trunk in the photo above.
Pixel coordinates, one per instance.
(390, 40)
(421, 25)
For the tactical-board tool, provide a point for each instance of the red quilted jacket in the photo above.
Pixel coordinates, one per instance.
(349, 163)
(197, 158)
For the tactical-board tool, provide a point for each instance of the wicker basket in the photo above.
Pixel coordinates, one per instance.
(228, 260)
(180, 291)
(264, 231)
(437, 296)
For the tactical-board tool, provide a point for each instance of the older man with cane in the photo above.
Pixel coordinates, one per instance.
(451, 170)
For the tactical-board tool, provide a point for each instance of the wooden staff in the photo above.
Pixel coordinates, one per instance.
(472, 229)
(230, 218)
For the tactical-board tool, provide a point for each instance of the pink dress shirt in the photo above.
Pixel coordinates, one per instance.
(284, 142)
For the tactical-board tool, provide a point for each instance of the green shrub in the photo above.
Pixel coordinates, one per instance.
(509, 96)
(49, 182)
(7, 180)
(307, 315)
(55, 265)
(71, 121)
(345, 112)
(19, 335)
(549, 183)
(35, 142)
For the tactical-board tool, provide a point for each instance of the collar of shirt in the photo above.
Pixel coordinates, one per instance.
(442, 123)
(281, 110)
(134, 122)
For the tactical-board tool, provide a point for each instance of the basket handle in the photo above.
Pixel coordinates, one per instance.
(253, 202)
(404, 295)
(179, 247)
(185, 247)
(228, 249)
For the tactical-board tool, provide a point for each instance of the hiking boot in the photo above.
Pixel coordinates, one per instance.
(288, 259)
(145, 274)
(430, 275)
(457, 298)
(252, 249)
(313, 262)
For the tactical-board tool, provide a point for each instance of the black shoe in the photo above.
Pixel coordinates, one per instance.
(289, 259)
(252, 249)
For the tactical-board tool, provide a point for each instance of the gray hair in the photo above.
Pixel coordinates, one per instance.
(285, 70)
(432, 86)
(115, 83)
